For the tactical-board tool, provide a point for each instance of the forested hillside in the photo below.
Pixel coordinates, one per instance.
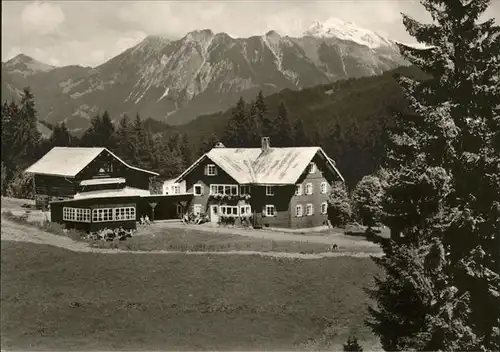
(347, 118)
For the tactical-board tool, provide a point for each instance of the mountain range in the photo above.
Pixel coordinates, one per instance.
(201, 73)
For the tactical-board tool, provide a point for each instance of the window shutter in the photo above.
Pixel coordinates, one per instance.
(264, 211)
(206, 169)
(202, 189)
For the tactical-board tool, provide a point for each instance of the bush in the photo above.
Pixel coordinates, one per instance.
(339, 205)
(21, 186)
(367, 200)
(352, 345)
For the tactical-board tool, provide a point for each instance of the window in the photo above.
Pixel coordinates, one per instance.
(309, 188)
(309, 209)
(102, 214)
(176, 189)
(270, 210)
(298, 210)
(76, 214)
(197, 209)
(269, 191)
(68, 214)
(245, 189)
(228, 210)
(126, 213)
(83, 215)
(198, 190)
(179, 209)
(324, 208)
(298, 190)
(312, 168)
(245, 210)
(230, 190)
(210, 170)
(323, 187)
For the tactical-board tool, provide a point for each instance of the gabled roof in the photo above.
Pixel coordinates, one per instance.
(277, 166)
(69, 161)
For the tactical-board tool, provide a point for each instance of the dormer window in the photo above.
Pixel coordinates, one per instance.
(210, 170)
(312, 168)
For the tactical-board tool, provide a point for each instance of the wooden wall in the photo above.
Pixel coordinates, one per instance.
(114, 168)
(197, 176)
(56, 212)
(48, 187)
(280, 200)
(317, 219)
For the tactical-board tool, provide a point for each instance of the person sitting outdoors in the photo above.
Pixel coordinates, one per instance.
(185, 219)
(141, 220)
(197, 219)
(146, 220)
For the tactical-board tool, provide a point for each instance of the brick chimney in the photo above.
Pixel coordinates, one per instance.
(266, 144)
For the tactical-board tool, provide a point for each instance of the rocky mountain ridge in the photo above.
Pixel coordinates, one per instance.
(201, 73)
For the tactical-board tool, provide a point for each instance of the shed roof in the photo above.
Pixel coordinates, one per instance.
(277, 166)
(69, 161)
(102, 181)
(109, 193)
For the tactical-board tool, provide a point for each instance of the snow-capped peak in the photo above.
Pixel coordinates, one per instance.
(337, 28)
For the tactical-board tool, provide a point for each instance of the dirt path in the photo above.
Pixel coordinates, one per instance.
(340, 239)
(12, 231)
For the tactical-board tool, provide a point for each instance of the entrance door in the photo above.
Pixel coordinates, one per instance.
(214, 214)
(257, 220)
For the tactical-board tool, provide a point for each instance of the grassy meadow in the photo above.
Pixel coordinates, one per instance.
(54, 299)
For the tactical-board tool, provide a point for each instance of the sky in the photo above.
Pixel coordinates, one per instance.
(89, 33)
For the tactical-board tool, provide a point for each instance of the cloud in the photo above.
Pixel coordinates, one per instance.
(286, 23)
(129, 41)
(12, 53)
(97, 55)
(89, 33)
(42, 18)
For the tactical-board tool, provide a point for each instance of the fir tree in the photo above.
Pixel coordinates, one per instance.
(440, 290)
(300, 137)
(283, 136)
(185, 150)
(26, 134)
(265, 123)
(10, 113)
(253, 130)
(4, 179)
(236, 133)
(138, 138)
(106, 131)
(124, 142)
(60, 136)
(168, 161)
(207, 143)
(101, 133)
